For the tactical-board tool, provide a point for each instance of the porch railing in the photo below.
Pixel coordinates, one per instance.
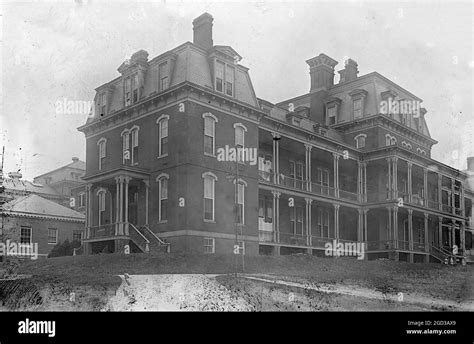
(265, 236)
(265, 176)
(348, 195)
(103, 231)
(139, 239)
(323, 190)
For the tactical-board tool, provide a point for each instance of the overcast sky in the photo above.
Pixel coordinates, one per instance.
(56, 51)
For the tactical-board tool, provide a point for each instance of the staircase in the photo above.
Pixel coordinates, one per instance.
(147, 241)
(442, 255)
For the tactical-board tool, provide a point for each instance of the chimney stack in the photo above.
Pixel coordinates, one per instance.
(75, 159)
(15, 175)
(202, 27)
(470, 163)
(321, 71)
(349, 72)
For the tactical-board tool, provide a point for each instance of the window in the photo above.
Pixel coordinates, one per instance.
(128, 91)
(82, 200)
(209, 133)
(265, 209)
(322, 178)
(299, 221)
(323, 223)
(76, 235)
(393, 140)
(125, 146)
(163, 197)
(388, 140)
(52, 236)
(357, 108)
(101, 201)
(101, 143)
(209, 245)
(209, 193)
(331, 115)
(229, 81)
(163, 135)
(102, 104)
(240, 130)
(25, 235)
(135, 88)
(220, 76)
(164, 76)
(360, 140)
(240, 203)
(134, 134)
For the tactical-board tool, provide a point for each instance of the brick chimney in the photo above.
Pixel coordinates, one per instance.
(321, 71)
(470, 163)
(349, 72)
(202, 27)
(75, 159)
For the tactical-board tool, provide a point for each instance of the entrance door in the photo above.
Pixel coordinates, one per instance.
(133, 205)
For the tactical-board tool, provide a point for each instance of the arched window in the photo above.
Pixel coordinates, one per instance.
(209, 195)
(240, 131)
(101, 194)
(393, 140)
(209, 133)
(125, 146)
(163, 135)
(388, 140)
(134, 144)
(102, 146)
(162, 180)
(241, 184)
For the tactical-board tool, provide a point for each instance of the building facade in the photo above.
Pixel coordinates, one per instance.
(181, 151)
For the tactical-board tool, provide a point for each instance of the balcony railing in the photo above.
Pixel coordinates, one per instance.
(351, 196)
(433, 204)
(446, 208)
(320, 242)
(380, 245)
(403, 245)
(293, 239)
(265, 176)
(323, 190)
(104, 231)
(265, 236)
(418, 247)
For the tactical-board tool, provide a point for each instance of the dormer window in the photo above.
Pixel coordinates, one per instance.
(102, 104)
(357, 108)
(164, 76)
(225, 75)
(131, 89)
(332, 115)
(360, 140)
(358, 103)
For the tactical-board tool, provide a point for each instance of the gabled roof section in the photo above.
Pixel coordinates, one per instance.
(37, 206)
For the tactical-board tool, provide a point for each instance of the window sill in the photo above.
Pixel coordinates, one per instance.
(52, 243)
(210, 155)
(162, 222)
(209, 221)
(162, 156)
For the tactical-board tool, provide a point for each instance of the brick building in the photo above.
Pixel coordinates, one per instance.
(34, 219)
(349, 162)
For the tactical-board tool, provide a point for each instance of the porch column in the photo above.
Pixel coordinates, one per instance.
(425, 186)
(395, 177)
(453, 233)
(120, 225)
(276, 216)
(395, 226)
(440, 192)
(462, 239)
(336, 221)
(308, 165)
(389, 229)
(410, 186)
(410, 229)
(366, 237)
(360, 219)
(276, 154)
(389, 161)
(117, 204)
(461, 200)
(427, 241)
(336, 174)
(126, 180)
(440, 231)
(452, 197)
(364, 169)
(88, 209)
(147, 187)
(308, 220)
(359, 181)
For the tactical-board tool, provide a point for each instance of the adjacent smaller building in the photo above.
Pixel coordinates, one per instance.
(32, 219)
